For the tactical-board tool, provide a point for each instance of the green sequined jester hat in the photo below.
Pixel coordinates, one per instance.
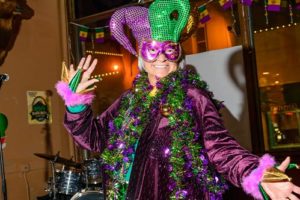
(163, 21)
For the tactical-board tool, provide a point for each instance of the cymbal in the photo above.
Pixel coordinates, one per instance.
(58, 159)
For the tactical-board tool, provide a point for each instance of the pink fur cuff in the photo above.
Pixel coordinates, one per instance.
(251, 182)
(71, 98)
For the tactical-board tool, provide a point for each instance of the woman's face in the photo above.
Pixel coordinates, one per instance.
(160, 58)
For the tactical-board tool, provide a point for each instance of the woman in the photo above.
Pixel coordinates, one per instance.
(164, 138)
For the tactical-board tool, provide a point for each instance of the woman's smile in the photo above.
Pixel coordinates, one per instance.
(160, 66)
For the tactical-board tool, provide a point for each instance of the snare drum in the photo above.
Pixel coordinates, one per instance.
(88, 195)
(68, 182)
(92, 172)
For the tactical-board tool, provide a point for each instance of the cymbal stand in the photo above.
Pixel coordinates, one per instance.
(53, 184)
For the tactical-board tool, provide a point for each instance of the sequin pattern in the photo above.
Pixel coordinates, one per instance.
(168, 19)
(136, 18)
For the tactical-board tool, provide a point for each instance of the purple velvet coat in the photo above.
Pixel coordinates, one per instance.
(149, 176)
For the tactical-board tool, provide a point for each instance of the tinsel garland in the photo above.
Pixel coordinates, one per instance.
(187, 157)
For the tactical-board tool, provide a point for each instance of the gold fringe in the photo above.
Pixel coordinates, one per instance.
(88, 90)
(275, 175)
(64, 72)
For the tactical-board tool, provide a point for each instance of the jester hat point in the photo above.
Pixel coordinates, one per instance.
(163, 21)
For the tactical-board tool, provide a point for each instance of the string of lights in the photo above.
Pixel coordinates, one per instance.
(275, 28)
(103, 53)
(105, 74)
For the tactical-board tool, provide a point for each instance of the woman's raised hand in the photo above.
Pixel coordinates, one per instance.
(86, 84)
(282, 190)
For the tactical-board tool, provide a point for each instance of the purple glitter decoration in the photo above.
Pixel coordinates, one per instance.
(109, 167)
(126, 159)
(111, 126)
(110, 147)
(136, 18)
(170, 168)
(167, 152)
(216, 179)
(188, 164)
(119, 144)
(171, 185)
(181, 194)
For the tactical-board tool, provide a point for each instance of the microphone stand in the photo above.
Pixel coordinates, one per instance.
(2, 171)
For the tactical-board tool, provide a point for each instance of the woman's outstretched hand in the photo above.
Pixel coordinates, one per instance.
(282, 190)
(86, 84)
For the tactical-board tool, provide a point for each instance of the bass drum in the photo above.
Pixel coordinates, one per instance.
(88, 195)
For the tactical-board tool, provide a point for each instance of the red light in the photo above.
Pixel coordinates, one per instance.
(289, 113)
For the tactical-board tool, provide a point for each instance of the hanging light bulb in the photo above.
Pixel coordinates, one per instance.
(116, 67)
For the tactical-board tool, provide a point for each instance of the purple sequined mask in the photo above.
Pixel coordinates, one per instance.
(150, 50)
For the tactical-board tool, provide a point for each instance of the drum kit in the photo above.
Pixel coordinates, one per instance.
(74, 181)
